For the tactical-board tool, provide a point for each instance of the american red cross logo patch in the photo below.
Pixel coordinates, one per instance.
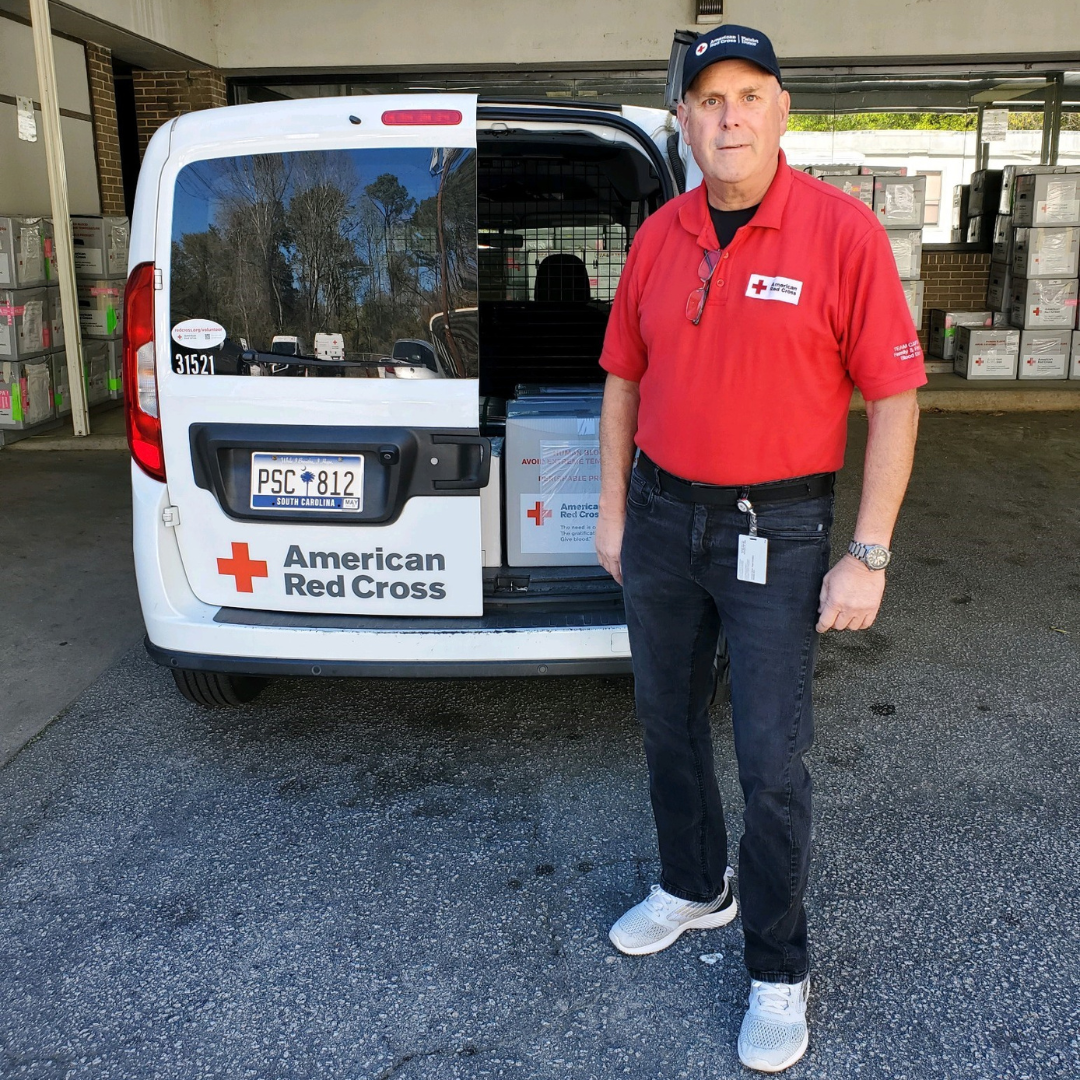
(762, 287)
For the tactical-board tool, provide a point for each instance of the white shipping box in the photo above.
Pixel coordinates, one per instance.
(552, 459)
(23, 315)
(986, 354)
(491, 540)
(1043, 303)
(101, 370)
(999, 287)
(101, 307)
(25, 393)
(1048, 251)
(1046, 199)
(858, 187)
(1008, 181)
(914, 291)
(23, 264)
(1044, 354)
(943, 326)
(101, 246)
(900, 201)
(54, 318)
(61, 386)
(1074, 367)
(907, 251)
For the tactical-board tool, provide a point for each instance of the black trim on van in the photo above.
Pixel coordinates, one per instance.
(611, 616)
(398, 465)
(382, 669)
(588, 116)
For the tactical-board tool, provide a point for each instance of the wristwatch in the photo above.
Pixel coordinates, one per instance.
(872, 556)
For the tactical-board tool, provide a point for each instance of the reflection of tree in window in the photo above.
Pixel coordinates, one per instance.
(300, 244)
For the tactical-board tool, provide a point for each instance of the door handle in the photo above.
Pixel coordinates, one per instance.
(476, 477)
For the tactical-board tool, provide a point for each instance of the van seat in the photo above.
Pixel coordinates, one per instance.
(556, 338)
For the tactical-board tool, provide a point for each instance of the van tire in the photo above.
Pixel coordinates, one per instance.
(212, 690)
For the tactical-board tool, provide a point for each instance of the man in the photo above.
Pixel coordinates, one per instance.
(748, 310)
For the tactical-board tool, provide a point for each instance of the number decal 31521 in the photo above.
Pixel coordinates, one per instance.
(193, 363)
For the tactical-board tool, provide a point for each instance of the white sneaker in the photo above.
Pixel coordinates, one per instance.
(660, 918)
(774, 1033)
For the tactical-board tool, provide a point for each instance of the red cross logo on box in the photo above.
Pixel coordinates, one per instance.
(242, 567)
(538, 514)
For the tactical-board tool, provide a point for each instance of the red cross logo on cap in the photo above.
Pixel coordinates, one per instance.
(538, 514)
(242, 567)
(759, 286)
(701, 48)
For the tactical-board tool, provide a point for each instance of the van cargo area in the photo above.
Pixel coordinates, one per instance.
(556, 213)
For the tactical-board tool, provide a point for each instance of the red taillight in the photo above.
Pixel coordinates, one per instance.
(140, 375)
(421, 117)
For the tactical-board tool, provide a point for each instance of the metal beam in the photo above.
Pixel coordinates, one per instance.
(1052, 118)
(58, 197)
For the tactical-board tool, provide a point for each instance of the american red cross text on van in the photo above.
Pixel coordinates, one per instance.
(363, 560)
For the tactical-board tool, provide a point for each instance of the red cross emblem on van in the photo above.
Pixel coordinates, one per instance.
(242, 567)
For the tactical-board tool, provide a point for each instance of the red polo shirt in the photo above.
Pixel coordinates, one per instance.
(805, 305)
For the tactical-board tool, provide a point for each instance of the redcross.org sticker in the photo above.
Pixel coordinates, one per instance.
(774, 288)
(198, 334)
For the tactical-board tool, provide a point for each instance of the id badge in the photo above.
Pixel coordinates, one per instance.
(753, 558)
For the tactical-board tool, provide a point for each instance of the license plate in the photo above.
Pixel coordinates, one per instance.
(318, 482)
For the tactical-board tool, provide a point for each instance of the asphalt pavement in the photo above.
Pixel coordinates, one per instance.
(415, 879)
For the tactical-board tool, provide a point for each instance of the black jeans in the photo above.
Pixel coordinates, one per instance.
(679, 572)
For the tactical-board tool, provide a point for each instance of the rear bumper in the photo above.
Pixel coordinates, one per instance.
(381, 669)
(183, 632)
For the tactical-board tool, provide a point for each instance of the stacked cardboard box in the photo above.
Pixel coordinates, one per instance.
(552, 478)
(900, 205)
(961, 198)
(983, 202)
(941, 347)
(25, 392)
(27, 333)
(101, 251)
(1074, 366)
(1036, 263)
(986, 354)
(102, 370)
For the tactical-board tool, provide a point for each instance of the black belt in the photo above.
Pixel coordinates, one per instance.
(802, 487)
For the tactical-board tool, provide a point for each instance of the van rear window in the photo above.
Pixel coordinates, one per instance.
(340, 262)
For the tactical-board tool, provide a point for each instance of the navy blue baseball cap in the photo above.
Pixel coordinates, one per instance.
(728, 42)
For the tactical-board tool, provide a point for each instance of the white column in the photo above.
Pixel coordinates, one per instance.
(58, 196)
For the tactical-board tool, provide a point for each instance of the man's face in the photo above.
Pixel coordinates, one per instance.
(732, 118)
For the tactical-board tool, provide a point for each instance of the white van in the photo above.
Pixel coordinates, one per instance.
(333, 526)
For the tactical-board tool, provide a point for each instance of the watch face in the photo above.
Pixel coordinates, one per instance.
(877, 557)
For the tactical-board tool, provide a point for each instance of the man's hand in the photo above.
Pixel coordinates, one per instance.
(850, 596)
(609, 534)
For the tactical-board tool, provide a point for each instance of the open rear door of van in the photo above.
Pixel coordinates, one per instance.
(323, 484)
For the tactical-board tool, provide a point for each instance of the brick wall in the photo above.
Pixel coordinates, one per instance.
(955, 281)
(162, 95)
(106, 136)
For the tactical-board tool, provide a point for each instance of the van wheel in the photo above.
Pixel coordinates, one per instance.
(212, 690)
